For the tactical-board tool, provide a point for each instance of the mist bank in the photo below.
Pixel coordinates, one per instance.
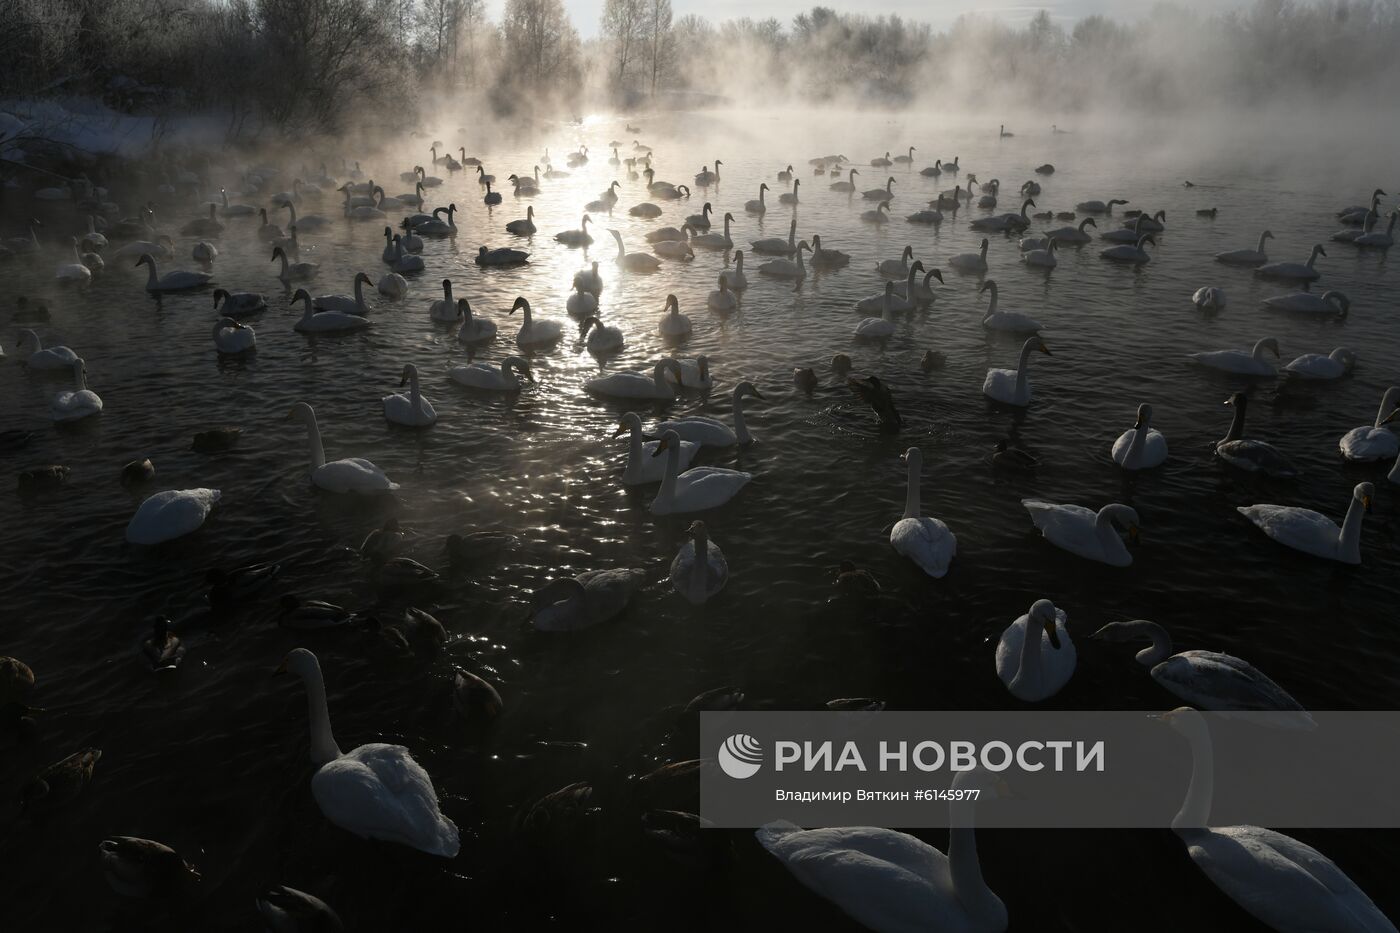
(253, 71)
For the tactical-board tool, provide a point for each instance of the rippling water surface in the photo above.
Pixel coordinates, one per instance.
(213, 758)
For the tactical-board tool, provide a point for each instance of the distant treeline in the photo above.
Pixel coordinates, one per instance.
(337, 64)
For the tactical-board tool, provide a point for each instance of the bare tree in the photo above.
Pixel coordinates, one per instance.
(658, 29)
(541, 43)
(625, 24)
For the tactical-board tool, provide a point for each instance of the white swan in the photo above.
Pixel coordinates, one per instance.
(238, 304)
(893, 268)
(672, 322)
(971, 262)
(474, 330)
(579, 237)
(1287, 885)
(324, 322)
(641, 466)
(533, 332)
(920, 293)
(1247, 257)
(925, 541)
(1248, 454)
(1010, 322)
(1241, 362)
(392, 286)
(758, 206)
(232, 338)
(1320, 366)
(777, 246)
(792, 269)
(346, 304)
(1374, 240)
(891, 882)
(698, 488)
(848, 185)
(584, 601)
(1207, 679)
(405, 261)
(162, 247)
(1035, 656)
(1141, 447)
(1091, 535)
(75, 272)
(1074, 234)
(376, 791)
(204, 252)
(735, 278)
(490, 378)
(1374, 441)
(882, 327)
(1042, 258)
(704, 431)
(290, 271)
(38, 358)
(1098, 207)
(1012, 386)
(590, 280)
(880, 194)
(1312, 532)
(1330, 302)
(178, 281)
(634, 262)
(1294, 271)
(638, 385)
(343, 476)
(1136, 253)
(501, 256)
(598, 337)
(79, 403)
(880, 215)
(412, 410)
(698, 580)
(581, 303)
(172, 514)
(790, 197)
(1209, 298)
(721, 300)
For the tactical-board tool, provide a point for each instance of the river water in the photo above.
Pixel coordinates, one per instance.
(212, 759)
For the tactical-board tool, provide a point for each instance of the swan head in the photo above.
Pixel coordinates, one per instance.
(1318, 250)
(302, 412)
(1238, 400)
(913, 456)
(1344, 356)
(1036, 343)
(673, 304)
(145, 260)
(918, 266)
(1267, 235)
(1043, 618)
(805, 379)
(747, 388)
(1343, 302)
(410, 372)
(1144, 416)
(278, 254)
(364, 276)
(668, 440)
(463, 308)
(520, 366)
(302, 294)
(1364, 493)
(696, 529)
(1267, 343)
(840, 364)
(934, 274)
(990, 285)
(220, 294)
(630, 422)
(520, 302)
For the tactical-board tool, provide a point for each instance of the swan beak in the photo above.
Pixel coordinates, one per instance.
(661, 445)
(1134, 534)
(1046, 350)
(621, 430)
(1366, 501)
(759, 395)
(1053, 633)
(281, 669)
(1392, 416)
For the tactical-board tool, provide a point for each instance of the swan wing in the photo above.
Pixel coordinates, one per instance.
(1281, 881)
(886, 880)
(1301, 529)
(1369, 443)
(170, 514)
(1217, 681)
(698, 430)
(353, 475)
(1256, 457)
(927, 542)
(609, 591)
(1070, 527)
(378, 791)
(709, 487)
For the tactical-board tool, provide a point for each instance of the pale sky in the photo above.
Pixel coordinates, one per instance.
(586, 14)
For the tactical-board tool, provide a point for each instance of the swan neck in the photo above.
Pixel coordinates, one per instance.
(1195, 809)
(151, 279)
(323, 747)
(415, 395)
(634, 450)
(911, 492)
(966, 870)
(700, 569)
(1236, 426)
(673, 470)
(1349, 540)
(1136, 446)
(1023, 368)
(313, 439)
(741, 428)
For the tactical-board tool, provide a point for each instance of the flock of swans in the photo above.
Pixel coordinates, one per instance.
(885, 879)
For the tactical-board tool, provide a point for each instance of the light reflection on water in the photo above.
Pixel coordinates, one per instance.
(542, 466)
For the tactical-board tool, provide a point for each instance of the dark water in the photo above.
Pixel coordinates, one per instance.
(213, 759)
